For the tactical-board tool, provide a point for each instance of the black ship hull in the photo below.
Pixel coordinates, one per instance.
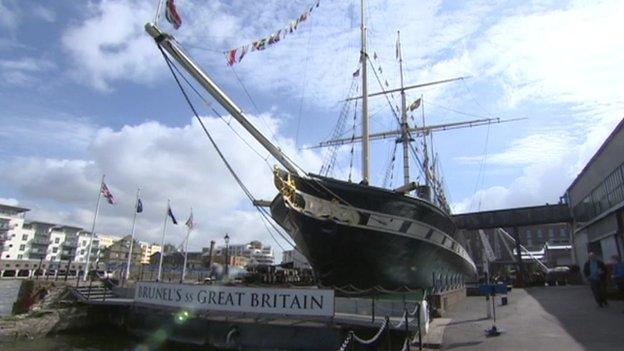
(358, 237)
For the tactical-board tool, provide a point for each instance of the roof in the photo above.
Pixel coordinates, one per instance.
(15, 208)
(615, 131)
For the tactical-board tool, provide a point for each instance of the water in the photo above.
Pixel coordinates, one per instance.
(93, 341)
(104, 339)
(8, 294)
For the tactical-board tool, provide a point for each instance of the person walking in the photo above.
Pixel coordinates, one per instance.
(596, 272)
(617, 274)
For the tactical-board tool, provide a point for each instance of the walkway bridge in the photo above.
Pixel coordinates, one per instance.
(511, 219)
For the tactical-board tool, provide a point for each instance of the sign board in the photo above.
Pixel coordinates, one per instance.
(295, 302)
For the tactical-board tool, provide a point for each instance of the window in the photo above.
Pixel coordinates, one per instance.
(22, 247)
(82, 252)
(539, 233)
(84, 243)
(19, 257)
(53, 258)
(54, 249)
(563, 232)
(57, 240)
(24, 237)
(551, 233)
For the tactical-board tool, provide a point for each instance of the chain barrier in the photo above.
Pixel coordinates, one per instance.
(350, 289)
(406, 315)
(346, 342)
(352, 337)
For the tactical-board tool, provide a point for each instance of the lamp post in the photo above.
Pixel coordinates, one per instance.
(227, 253)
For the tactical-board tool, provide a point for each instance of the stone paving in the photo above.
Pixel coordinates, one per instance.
(539, 318)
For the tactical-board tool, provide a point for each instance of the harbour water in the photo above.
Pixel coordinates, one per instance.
(98, 340)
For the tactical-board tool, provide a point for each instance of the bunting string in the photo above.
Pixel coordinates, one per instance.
(237, 54)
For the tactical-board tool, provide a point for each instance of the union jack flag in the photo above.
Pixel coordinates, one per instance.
(172, 14)
(107, 194)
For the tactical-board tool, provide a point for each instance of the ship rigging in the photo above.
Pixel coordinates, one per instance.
(354, 235)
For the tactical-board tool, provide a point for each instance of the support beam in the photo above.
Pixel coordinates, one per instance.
(520, 273)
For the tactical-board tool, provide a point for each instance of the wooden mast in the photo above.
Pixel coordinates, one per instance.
(363, 59)
(404, 127)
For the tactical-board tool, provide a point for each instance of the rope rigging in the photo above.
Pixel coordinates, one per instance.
(352, 143)
(389, 176)
(245, 190)
(330, 154)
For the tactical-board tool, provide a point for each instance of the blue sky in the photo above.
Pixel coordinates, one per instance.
(84, 91)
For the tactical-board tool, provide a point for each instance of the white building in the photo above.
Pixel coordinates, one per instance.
(106, 240)
(12, 237)
(255, 252)
(147, 250)
(22, 239)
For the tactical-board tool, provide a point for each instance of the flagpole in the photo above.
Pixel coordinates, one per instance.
(162, 242)
(97, 209)
(136, 204)
(158, 11)
(188, 234)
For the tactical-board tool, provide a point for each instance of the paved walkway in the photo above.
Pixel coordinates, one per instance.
(542, 318)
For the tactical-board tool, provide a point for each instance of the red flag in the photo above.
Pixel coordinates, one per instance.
(107, 194)
(172, 14)
(231, 57)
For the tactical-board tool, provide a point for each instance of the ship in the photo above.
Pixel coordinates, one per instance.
(358, 237)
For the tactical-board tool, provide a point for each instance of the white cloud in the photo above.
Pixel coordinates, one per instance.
(10, 18)
(533, 149)
(44, 14)
(111, 45)
(23, 71)
(549, 165)
(176, 163)
(571, 55)
(9, 201)
(320, 56)
(62, 134)
(27, 64)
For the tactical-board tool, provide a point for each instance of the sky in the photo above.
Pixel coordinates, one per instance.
(85, 92)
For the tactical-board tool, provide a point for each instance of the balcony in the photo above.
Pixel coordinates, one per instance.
(40, 240)
(69, 244)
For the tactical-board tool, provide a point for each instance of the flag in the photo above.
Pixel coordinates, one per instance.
(356, 73)
(231, 57)
(189, 222)
(170, 213)
(139, 207)
(244, 50)
(172, 14)
(107, 194)
(374, 55)
(414, 105)
(259, 45)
